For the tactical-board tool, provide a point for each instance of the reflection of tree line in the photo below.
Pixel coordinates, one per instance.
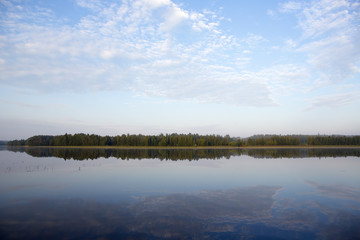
(125, 154)
(183, 154)
(304, 152)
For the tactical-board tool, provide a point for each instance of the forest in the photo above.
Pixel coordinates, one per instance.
(185, 140)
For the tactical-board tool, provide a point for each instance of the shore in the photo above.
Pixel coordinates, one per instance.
(200, 147)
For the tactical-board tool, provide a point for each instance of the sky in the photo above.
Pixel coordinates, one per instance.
(179, 66)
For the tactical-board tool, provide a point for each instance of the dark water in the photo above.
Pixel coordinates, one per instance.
(179, 194)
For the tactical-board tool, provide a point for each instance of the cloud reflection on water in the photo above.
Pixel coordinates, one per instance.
(336, 191)
(251, 213)
(244, 197)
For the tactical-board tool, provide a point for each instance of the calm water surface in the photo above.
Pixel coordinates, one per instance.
(179, 194)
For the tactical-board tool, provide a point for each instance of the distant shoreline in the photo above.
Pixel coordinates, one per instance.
(188, 141)
(197, 147)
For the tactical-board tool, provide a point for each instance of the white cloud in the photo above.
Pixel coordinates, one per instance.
(290, 6)
(95, 5)
(329, 39)
(174, 16)
(286, 78)
(335, 58)
(201, 22)
(140, 46)
(270, 12)
(107, 53)
(131, 46)
(253, 40)
(157, 3)
(290, 43)
(334, 100)
(330, 36)
(324, 16)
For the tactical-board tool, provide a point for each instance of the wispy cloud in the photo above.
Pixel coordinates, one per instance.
(337, 191)
(334, 100)
(326, 16)
(330, 36)
(284, 79)
(140, 46)
(290, 6)
(95, 5)
(20, 104)
(135, 45)
(329, 39)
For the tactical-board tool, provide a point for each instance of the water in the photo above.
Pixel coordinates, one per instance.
(179, 194)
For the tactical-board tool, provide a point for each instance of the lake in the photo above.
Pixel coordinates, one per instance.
(70, 193)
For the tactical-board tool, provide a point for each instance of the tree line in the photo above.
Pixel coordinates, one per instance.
(184, 140)
(168, 140)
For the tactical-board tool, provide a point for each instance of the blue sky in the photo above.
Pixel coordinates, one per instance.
(162, 66)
